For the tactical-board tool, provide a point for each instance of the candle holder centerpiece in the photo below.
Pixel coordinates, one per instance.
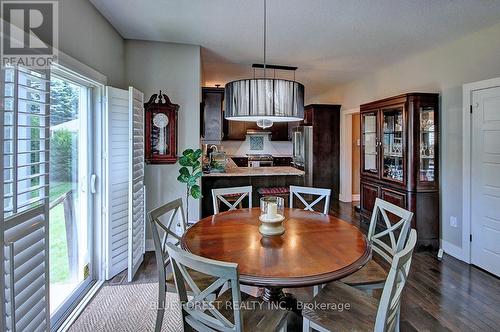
(272, 214)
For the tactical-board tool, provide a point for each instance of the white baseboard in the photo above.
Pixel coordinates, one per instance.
(150, 245)
(355, 197)
(344, 198)
(453, 250)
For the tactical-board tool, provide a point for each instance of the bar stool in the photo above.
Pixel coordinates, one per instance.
(283, 192)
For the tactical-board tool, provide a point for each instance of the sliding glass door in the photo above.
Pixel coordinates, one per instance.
(70, 174)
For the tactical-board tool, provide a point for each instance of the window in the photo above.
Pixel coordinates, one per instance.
(25, 205)
(25, 140)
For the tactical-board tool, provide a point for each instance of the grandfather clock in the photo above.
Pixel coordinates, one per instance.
(161, 130)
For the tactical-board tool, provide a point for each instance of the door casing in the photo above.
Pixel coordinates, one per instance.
(464, 253)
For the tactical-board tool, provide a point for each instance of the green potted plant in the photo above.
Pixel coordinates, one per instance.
(189, 173)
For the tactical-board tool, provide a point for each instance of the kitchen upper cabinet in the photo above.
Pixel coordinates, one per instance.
(279, 131)
(214, 128)
(237, 130)
(212, 115)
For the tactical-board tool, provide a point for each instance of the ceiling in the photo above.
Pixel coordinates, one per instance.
(331, 41)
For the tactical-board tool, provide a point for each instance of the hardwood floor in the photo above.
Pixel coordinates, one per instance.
(441, 295)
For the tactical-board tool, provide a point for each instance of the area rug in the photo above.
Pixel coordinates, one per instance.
(128, 308)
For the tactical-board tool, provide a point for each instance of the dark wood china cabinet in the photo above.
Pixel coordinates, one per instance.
(400, 159)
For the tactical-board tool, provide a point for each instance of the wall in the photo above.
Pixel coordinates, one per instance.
(175, 69)
(87, 36)
(355, 154)
(445, 69)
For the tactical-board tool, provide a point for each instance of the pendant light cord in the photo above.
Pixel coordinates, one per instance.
(265, 10)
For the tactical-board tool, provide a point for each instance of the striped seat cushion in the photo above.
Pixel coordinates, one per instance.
(232, 195)
(274, 191)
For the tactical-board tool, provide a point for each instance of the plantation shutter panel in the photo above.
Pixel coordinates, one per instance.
(136, 232)
(117, 184)
(25, 134)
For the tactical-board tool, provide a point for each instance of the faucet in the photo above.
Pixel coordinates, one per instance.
(214, 147)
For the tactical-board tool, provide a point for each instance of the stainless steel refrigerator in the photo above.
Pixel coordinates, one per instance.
(302, 140)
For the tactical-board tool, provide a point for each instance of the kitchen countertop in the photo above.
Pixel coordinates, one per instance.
(274, 155)
(258, 171)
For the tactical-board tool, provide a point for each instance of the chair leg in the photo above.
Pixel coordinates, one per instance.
(161, 306)
(315, 290)
(396, 328)
(159, 319)
(306, 326)
(284, 326)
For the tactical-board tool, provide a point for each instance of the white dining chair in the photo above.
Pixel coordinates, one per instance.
(232, 197)
(226, 313)
(365, 313)
(163, 221)
(386, 241)
(320, 192)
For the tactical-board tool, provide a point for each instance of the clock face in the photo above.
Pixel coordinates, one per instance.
(160, 120)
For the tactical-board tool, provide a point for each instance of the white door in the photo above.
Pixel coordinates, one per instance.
(124, 181)
(485, 198)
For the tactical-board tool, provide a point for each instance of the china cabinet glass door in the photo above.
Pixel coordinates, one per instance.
(427, 145)
(370, 142)
(393, 144)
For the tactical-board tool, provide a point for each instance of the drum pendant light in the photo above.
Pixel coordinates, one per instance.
(264, 100)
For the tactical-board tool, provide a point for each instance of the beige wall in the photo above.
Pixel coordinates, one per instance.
(85, 35)
(445, 69)
(355, 153)
(175, 69)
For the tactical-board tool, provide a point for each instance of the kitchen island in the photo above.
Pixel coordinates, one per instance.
(258, 171)
(257, 177)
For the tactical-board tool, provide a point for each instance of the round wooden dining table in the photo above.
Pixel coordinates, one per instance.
(315, 248)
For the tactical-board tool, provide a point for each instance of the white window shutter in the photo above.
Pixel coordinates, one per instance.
(25, 134)
(125, 192)
(136, 232)
(117, 180)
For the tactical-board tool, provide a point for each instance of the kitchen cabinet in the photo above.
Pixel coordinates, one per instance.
(324, 152)
(400, 159)
(279, 131)
(212, 115)
(214, 128)
(240, 161)
(282, 161)
(237, 130)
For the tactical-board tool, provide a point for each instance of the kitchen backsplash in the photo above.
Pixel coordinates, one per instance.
(257, 143)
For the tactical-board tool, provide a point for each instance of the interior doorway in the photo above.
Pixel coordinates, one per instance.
(349, 155)
(356, 142)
